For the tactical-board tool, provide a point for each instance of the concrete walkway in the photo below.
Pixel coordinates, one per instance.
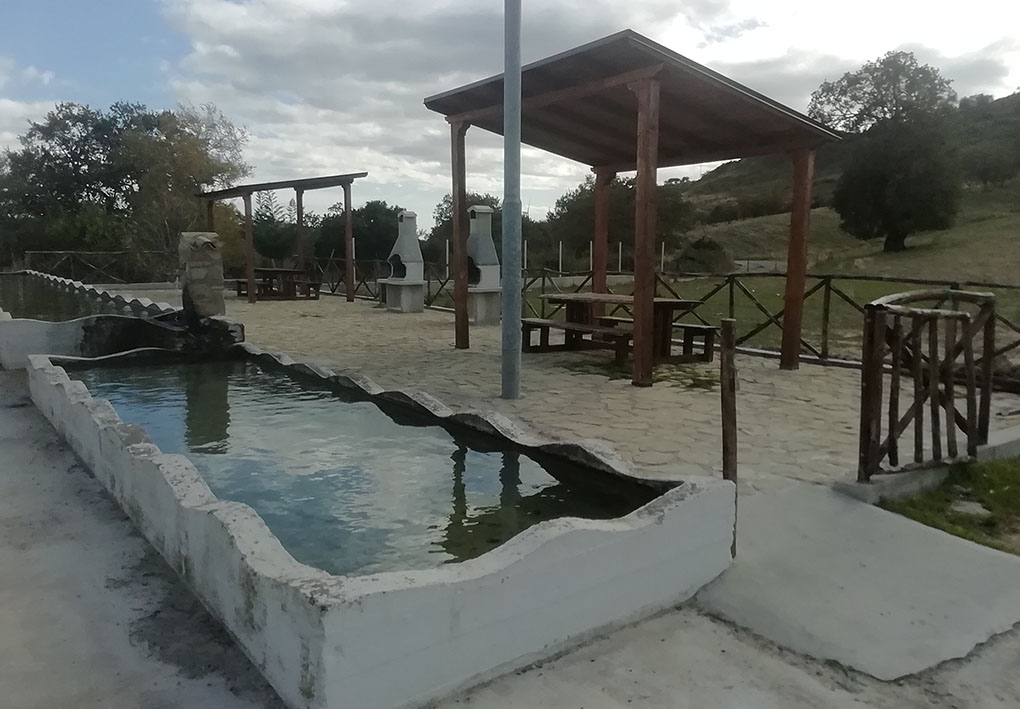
(90, 615)
(836, 579)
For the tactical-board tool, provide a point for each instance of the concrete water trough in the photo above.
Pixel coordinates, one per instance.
(43, 313)
(404, 632)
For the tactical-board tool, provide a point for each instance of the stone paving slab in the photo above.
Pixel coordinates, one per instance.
(837, 579)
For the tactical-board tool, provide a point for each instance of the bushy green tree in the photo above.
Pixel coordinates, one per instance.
(893, 87)
(120, 179)
(374, 225)
(902, 178)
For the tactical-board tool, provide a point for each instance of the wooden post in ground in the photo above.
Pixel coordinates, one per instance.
(728, 389)
(210, 223)
(872, 350)
(796, 259)
(299, 203)
(647, 92)
(348, 243)
(462, 338)
(249, 248)
(987, 372)
(600, 244)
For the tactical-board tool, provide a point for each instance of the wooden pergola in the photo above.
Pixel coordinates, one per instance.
(299, 186)
(626, 103)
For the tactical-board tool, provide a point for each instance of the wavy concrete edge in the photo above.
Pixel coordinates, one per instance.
(300, 625)
(591, 453)
(137, 306)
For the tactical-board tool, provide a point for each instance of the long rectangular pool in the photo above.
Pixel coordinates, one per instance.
(347, 486)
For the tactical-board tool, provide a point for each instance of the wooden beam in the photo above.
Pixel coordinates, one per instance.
(299, 201)
(249, 248)
(348, 243)
(600, 241)
(647, 92)
(550, 97)
(460, 235)
(796, 258)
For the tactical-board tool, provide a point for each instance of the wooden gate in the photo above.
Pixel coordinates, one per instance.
(928, 357)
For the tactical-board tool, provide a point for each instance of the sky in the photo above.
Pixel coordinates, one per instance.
(333, 86)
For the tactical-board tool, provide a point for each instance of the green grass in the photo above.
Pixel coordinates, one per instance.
(996, 485)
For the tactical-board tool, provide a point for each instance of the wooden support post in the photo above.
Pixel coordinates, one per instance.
(728, 389)
(949, 377)
(987, 370)
(933, 387)
(647, 92)
(462, 338)
(348, 243)
(796, 259)
(918, 367)
(600, 244)
(872, 351)
(210, 224)
(896, 349)
(299, 202)
(249, 248)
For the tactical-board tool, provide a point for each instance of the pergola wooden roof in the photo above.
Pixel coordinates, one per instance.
(577, 104)
(626, 103)
(300, 186)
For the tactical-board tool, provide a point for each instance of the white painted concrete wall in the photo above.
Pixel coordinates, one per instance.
(394, 639)
(20, 337)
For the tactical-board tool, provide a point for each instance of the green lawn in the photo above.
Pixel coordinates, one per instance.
(994, 485)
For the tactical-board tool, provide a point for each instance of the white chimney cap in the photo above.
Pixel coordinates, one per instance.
(480, 209)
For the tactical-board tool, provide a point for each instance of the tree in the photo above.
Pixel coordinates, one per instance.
(893, 87)
(121, 179)
(272, 234)
(901, 178)
(374, 225)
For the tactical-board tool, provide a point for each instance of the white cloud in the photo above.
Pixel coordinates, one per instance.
(15, 116)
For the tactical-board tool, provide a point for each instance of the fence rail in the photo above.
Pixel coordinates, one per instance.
(924, 345)
(105, 266)
(834, 303)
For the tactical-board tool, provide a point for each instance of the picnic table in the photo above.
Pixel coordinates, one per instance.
(581, 319)
(280, 284)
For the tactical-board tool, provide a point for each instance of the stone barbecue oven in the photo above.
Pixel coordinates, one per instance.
(484, 277)
(404, 290)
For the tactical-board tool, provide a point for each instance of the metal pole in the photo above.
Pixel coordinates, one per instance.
(447, 259)
(560, 268)
(511, 374)
(662, 257)
(524, 243)
(619, 257)
(591, 265)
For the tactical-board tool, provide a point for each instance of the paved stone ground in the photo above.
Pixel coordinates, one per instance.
(800, 425)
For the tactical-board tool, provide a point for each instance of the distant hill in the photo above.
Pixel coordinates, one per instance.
(981, 127)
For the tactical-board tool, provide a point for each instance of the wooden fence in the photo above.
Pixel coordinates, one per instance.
(919, 350)
(105, 266)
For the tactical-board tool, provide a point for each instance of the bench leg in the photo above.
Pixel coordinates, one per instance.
(688, 343)
(543, 339)
(709, 354)
(621, 347)
(525, 338)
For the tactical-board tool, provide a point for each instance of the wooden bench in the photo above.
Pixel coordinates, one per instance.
(690, 331)
(618, 338)
(308, 289)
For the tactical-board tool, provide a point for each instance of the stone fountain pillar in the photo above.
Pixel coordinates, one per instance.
(404, 290)
(201, 275)
(484, 277)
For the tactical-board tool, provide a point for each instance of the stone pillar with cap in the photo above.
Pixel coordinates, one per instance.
(484, 276)
(404, 290)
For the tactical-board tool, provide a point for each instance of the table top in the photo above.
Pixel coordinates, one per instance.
(610, 299)
(281, 271)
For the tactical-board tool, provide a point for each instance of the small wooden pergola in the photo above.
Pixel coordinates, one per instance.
(299, 186)
(626, 103)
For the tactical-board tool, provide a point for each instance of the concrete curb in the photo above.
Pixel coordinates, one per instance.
(897, 486)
